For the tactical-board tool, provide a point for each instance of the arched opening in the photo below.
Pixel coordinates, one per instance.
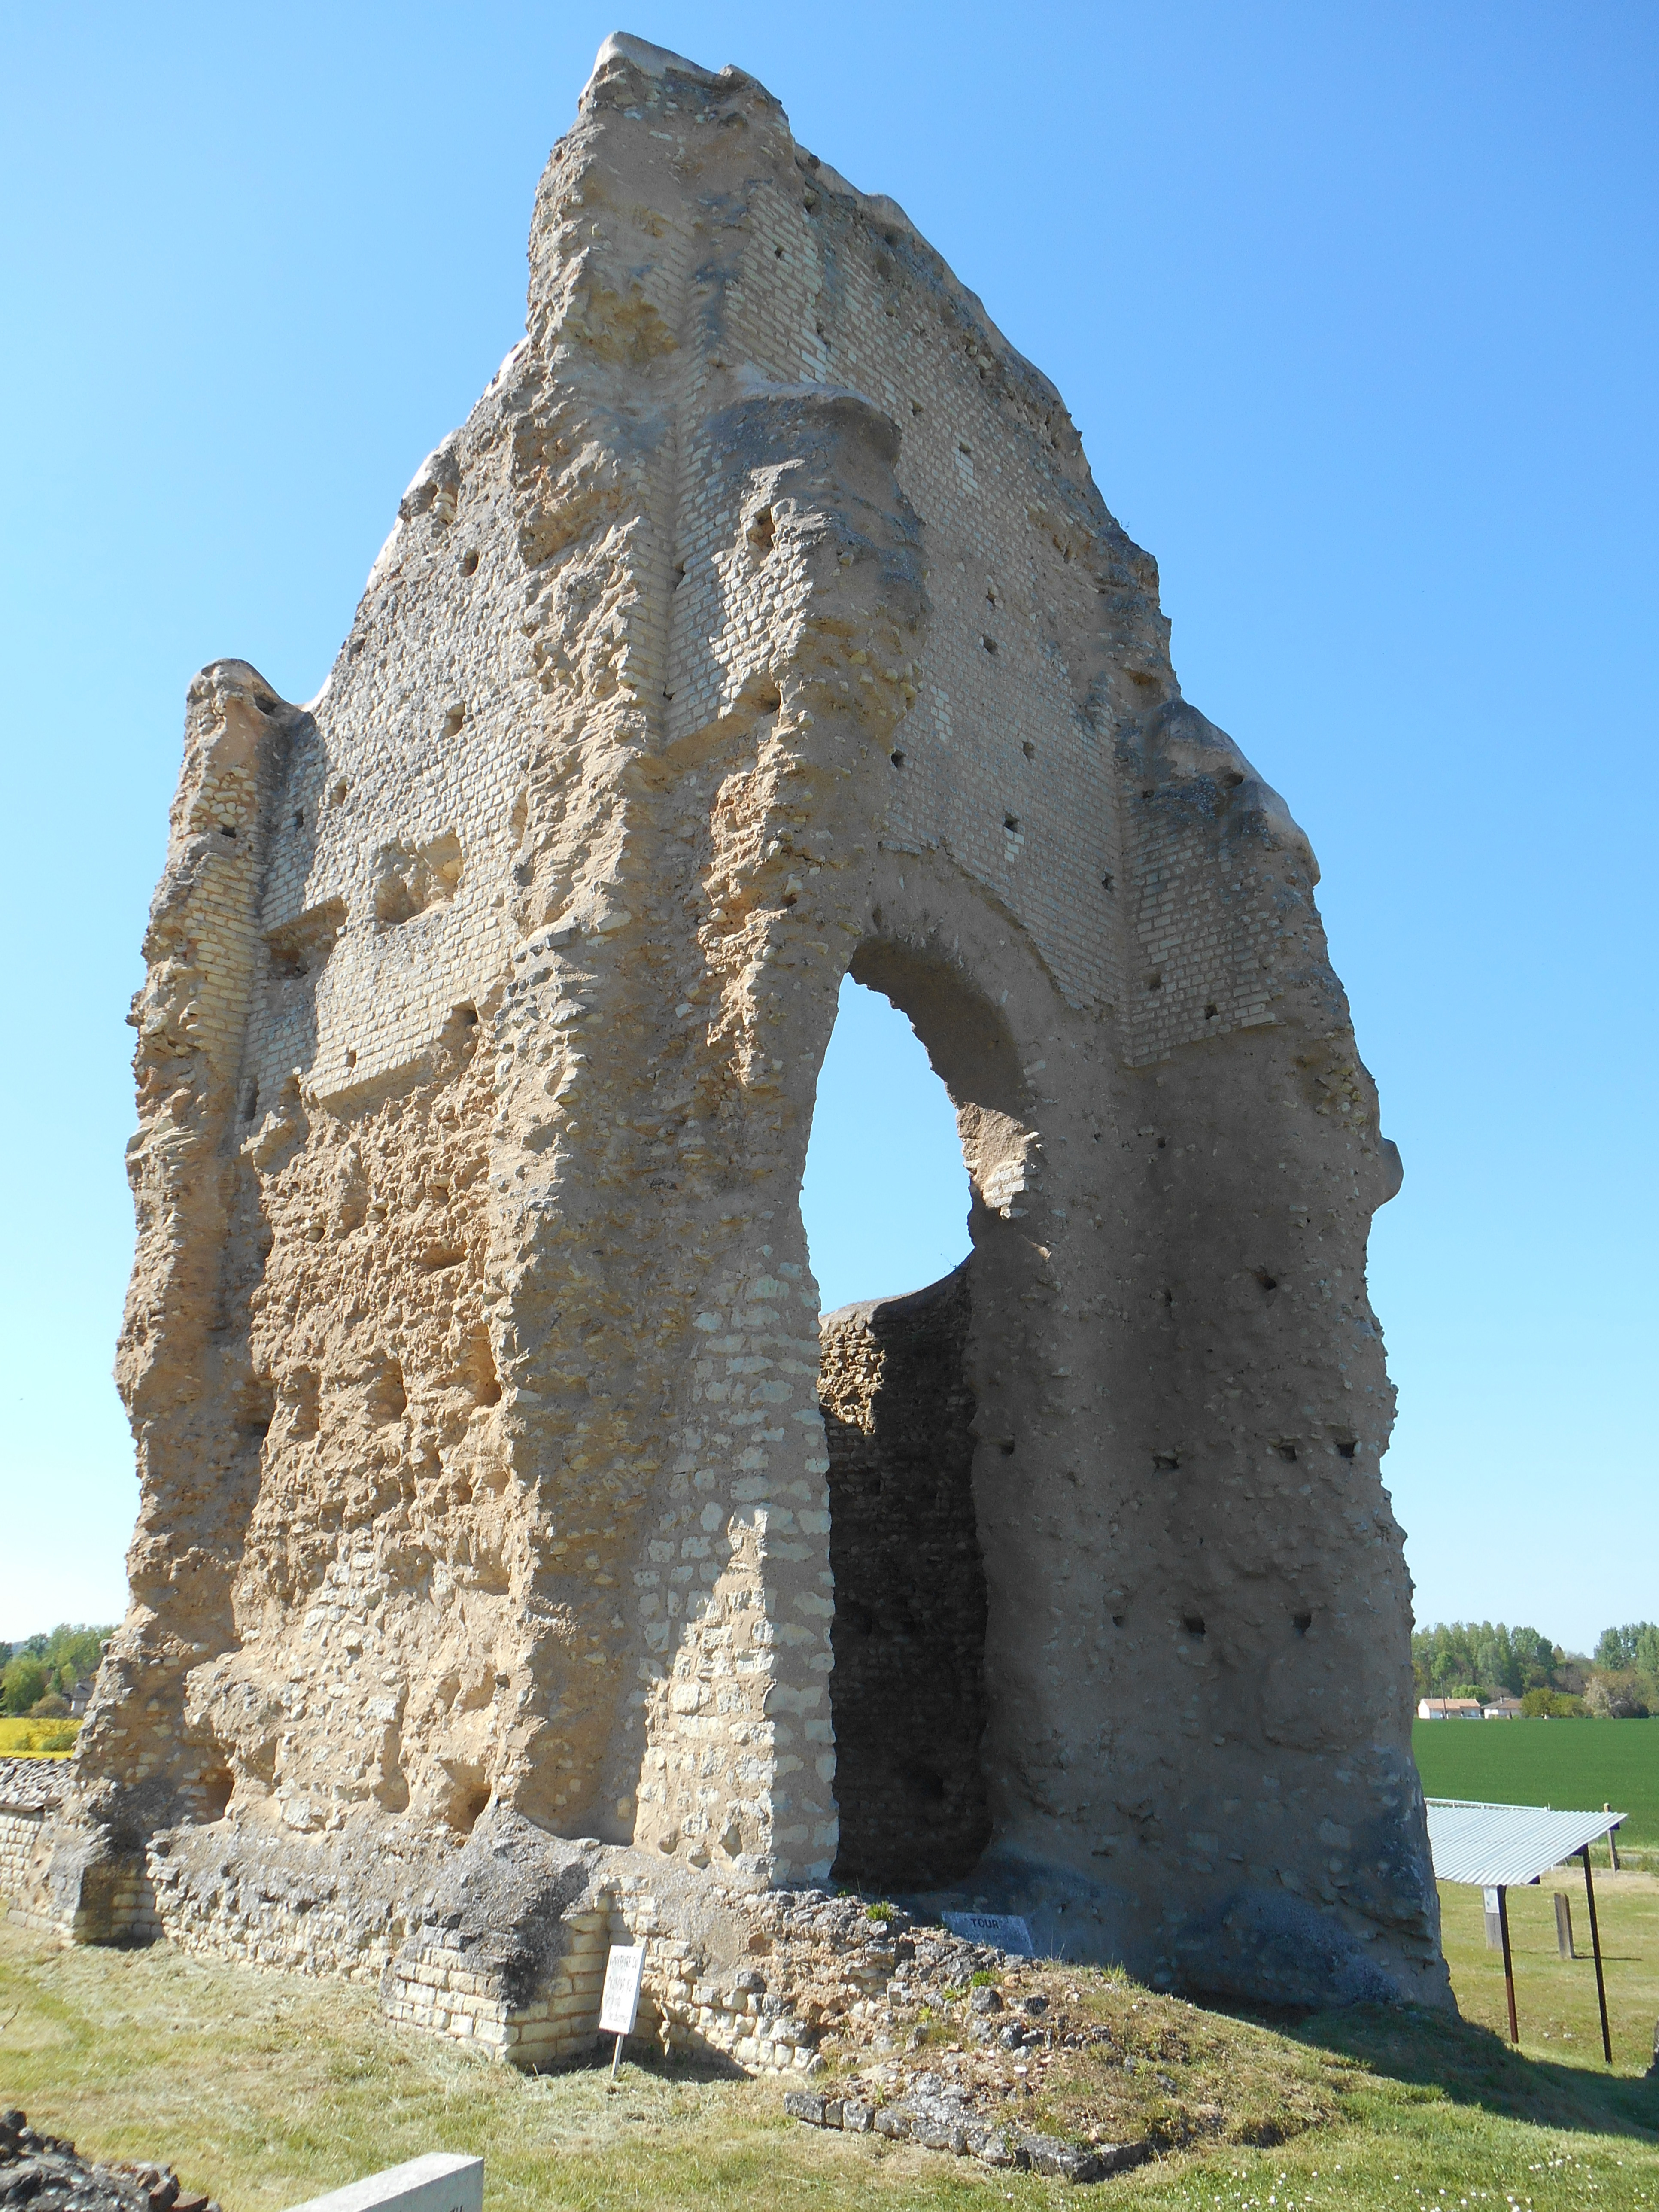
(888, 1203)
(885, 1195)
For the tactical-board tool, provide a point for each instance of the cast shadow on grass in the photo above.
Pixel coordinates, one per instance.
(1467, 2064)
(647, 2055)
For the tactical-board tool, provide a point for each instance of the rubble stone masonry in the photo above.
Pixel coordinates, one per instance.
(907, 1692)
(762, 621)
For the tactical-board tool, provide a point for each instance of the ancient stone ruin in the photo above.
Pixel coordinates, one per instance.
(517, 1561)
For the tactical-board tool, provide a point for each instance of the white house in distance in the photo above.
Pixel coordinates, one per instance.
(1501, 1709)
(1451, 1709)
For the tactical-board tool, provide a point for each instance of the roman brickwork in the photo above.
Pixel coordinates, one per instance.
(762, 621)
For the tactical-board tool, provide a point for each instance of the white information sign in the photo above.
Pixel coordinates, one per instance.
(624, 1970)
(1004, 1930)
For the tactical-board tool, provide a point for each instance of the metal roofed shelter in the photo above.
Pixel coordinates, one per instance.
(1501, 1846)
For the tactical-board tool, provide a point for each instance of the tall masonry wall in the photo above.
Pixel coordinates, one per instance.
(762, 621)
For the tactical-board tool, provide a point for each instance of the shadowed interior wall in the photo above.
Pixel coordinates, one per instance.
(908, 1693)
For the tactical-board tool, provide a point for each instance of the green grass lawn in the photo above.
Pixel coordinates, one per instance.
(1564, 1764)
(265, 2089)
(1555, 1997)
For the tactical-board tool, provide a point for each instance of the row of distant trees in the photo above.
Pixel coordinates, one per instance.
(1453, 1659)
(40, 1674)
(1487, 1659)
(1625, 1682)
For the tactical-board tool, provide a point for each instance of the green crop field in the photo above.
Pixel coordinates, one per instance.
(1563, 1764)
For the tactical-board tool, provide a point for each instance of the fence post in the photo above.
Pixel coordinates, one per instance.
(1595, 1947)
(1508, 1963)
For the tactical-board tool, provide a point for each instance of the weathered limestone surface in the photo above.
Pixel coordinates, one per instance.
(762, 620)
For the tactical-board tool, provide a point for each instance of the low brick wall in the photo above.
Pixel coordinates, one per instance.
(500, 1941)
(270, 1900)
(764, 2011)
(435, 1988)
(31, 1790)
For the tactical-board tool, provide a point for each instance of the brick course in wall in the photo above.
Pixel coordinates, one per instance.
(31, 1791)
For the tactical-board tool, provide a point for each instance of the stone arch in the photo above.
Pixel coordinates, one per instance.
(907, 1695)
(971, 1049)
(912, 1390)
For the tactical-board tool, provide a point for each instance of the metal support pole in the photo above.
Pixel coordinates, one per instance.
(1489, 1918)
(1508, 1963)
(1595, 1945)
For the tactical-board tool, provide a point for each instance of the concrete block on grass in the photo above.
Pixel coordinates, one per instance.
(442, 2181)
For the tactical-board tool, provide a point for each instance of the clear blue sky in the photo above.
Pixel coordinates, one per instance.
(1354, 307)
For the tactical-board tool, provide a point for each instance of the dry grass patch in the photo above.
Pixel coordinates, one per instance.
(1129, 2064)
(1102, 2060)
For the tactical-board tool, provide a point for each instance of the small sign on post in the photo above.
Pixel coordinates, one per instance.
(625, 1971)
(1494, 1925)
(1005, 1931)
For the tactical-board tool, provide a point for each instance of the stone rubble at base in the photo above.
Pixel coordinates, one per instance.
(46, 2173)
(31, 1791)
(934, 2116)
